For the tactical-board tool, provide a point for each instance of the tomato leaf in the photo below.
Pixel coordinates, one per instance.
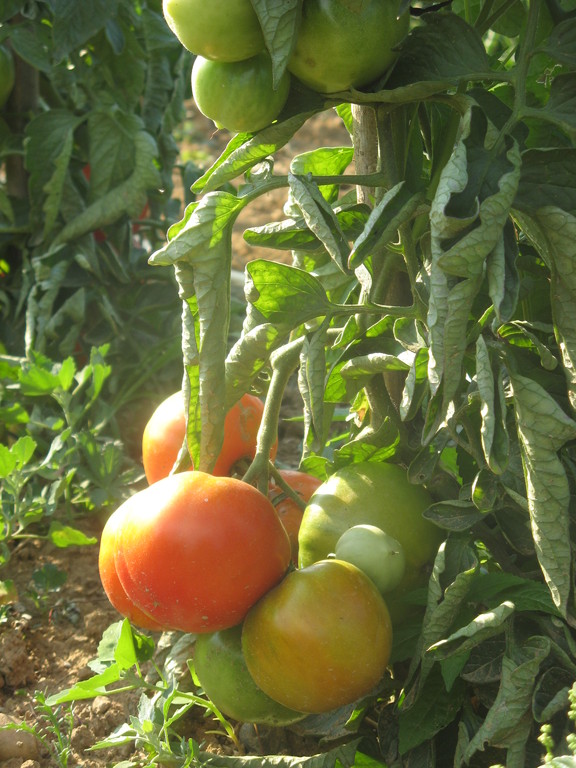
(434, 709)
(543, 428)
(320, 219)
(244, 151)
(201, 248)
(425, 55)
(547, 175)
(128, 198)
(493, 431)
(508, 721)
(284, 294)
(278, 20)
(395, 208)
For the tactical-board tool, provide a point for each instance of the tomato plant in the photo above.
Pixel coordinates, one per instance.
(288, 508)
(195, 551)
(165, 432)
(320, 639)
(221, 668)
(240, 95)
(341, 44)
(221, 31)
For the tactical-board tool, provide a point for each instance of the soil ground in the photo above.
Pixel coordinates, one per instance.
(45, 646)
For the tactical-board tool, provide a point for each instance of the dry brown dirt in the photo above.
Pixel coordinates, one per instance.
(47, 647)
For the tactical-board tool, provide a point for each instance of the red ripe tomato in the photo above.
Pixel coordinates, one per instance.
(109, 575)
(289, 512)
(195, 551)
(320, 639)
(165, 432)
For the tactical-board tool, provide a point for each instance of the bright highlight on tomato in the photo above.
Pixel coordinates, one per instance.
(222, 30)
(342, 44)
(221, 668)
(320, 639)
(195, 552)
(165, 431)
(239, 96)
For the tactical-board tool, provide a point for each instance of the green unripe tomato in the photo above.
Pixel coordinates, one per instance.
(222, 30)
(379, 494)
(222, 671)
(379, 555)
(342, 44)
(7, 74)
(239, 96)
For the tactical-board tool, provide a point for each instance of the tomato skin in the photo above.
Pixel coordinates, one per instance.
(378, 494)
(289, 512)
(163, 437)
(220, 30)
(239, 96)
(223, 674)
(196, 551)
(320, 639)
(379, 555)
(166, 429)
(109, 576)
(342, 44)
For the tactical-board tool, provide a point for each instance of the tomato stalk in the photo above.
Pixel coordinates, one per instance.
(284, 362)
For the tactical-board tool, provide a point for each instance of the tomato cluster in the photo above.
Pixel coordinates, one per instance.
(284, 626)
(232, 81)
(338, 45)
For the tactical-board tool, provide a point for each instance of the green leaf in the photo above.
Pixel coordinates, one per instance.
(320, 218)
(468, 215)
(444, 49)
(128, 198)
(553, 232)
(245, 151)
(201, 248)
(561, 45)
(284, 295)
(434, 709)
(74, 24)
(508, 721)
(453, 514)
(481, 628)
(324, 161)
(547, 180)
(560, 109)
(278, 19)
(543, 428)
(65, 536)
(342, 756)
(97, 685)
(493, 430)
(395, 208)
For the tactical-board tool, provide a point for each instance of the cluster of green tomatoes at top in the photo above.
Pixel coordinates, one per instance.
(292, 605)
(338, 45)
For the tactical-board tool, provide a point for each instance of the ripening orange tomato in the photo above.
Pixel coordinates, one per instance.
(195, 551)
(165, 432)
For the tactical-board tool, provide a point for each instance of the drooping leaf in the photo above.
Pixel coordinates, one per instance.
(203, 244)
(320, 218)
(543, 428)
(494, 432)
(508, 721)
(278, 20)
